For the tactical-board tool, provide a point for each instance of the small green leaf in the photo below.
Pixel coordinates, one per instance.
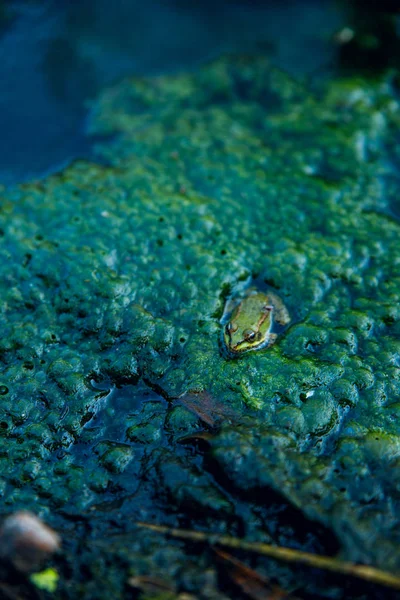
(46, 580)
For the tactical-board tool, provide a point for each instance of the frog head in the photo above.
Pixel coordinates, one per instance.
(249, 325)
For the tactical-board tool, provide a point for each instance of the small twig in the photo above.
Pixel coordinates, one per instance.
(327, 563)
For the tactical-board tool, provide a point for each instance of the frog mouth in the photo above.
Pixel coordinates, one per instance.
(236, 351)
(241, 347)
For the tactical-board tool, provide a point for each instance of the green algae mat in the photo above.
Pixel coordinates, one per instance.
(118, 400)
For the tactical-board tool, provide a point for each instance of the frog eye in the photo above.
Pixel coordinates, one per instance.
(267, 308)
(231, 328)
(249, 335)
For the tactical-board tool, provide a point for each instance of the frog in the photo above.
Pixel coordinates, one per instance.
(248, 322)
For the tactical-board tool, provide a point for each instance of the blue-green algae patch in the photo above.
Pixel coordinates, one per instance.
(117, 275)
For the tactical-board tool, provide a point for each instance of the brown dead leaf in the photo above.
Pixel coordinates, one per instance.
(207, 408)
(254, 585)
(150, 585)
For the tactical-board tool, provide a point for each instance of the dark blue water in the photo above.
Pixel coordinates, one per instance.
(55, 56)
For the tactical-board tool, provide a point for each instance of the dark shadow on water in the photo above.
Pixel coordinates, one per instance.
(107, 425)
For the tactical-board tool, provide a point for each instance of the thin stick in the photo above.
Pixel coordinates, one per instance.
(327, 563)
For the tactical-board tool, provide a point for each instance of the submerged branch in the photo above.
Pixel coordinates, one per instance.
(327, 563)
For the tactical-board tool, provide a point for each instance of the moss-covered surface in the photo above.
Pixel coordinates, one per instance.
(113, 281)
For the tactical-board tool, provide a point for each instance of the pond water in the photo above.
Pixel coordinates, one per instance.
(56, 56)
